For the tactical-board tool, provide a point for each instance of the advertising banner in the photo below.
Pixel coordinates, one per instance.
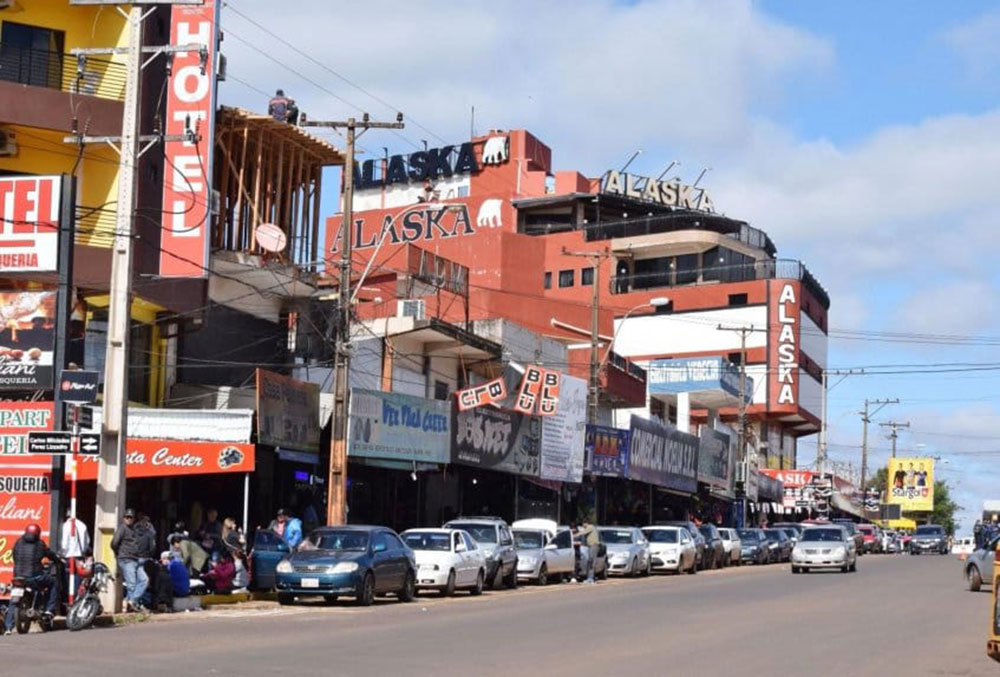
(660, 454)
(783, 334)
(713, 458)
(492, 392)
(287, 412)
(497, 439)
(911, 483)
(563, 432)
(187, 186)
(400, 427)
(530, 390)
(606, 451)
(694, 374)
(29, 223)
(27, 339)
(169, 458)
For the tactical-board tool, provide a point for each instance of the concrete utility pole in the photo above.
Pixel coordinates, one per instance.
(594, 394)
(741, 431)
(336, 504)
(821, 447)
(865, 420)
(895, 426)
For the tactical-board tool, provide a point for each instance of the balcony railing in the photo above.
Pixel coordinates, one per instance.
(65, 72)
(629, 368)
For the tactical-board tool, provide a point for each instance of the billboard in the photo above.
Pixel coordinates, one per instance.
(606, 451)
(911, 483)
(287, 412)
(714, 459)
(563, 433)
(187, 186)
(497, 439)
(29, 223)
(693, 374)
(27, 339)
(783, 336)
(662, 455)
(399, 427)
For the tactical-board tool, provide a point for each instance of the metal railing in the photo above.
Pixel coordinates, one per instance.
(65, 72)
(629, 368)
(637, 226)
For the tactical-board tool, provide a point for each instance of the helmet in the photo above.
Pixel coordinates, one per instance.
(32, 532)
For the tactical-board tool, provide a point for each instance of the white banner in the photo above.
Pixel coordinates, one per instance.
(564, 433)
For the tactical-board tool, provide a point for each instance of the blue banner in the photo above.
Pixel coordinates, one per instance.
(607, 451)
(662, 455)
(668, 377)
(399, 427)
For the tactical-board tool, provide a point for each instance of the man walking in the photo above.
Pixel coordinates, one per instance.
(589, 542)
(288, 527)
(28, 552)
(129, 545)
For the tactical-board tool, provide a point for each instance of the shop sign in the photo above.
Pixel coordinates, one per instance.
(713, 458)
(497, 439)
(24, 498)
(539, 392)
(784, 337)
(78, 386)
(287, 412)
(27, 339)
(492, 392)
(662, 455)
(606, 451)
(790, 478)
(399, 427)
(169, 458)
(694, 374)
(564, 431)
(190, 101)
(667, 193)
(770, 489)
(17, 419)
(29, 223)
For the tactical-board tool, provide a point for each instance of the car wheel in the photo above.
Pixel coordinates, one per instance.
(844, 569)
(409, 590)
(854, 566)
(974, 578)
(366, 591)
(694, 568)
(604, 572)
(285, 598)
(511, 580)
(795, 570)
(480, 584)
(543, 576)
(449, 587)
(649, 567)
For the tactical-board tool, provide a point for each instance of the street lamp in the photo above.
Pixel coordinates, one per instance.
(655, 302)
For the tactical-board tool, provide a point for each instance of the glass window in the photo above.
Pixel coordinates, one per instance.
(505, 538)
(548, 280)
(341, 539)
(528, 539)
(737, 299)
(470, 543)
(566, 278)
(831, 535)
(650, 273)
(619, 536)
(564, 539)
(440, 390)
(687, 269)
(31, 55)
(662, 535)
(586, 276)
(266, 540)
(710, 264)
(483, 533)
(424, 540)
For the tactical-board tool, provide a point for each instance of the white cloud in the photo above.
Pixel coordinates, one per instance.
(977, 44)
(961, 307)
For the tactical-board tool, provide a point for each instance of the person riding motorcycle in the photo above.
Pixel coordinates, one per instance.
(29, 553)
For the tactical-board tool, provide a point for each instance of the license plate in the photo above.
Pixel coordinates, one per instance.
(16, 594)
(310, 582)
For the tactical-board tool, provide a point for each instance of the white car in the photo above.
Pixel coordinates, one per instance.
(732, 544)
(544, 551)
(963, 547)
(825, 547)
(628, 551)
(447, 560)
(671, 549)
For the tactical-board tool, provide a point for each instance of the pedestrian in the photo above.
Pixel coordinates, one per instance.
(191, 555)
(180, 579)
(180, 529)
(219, 577)
(29, 553)
(128, 544)
(210, 532)
(277, 106)
(589, 543)
(288, 527)
(232, 536)
(163, 585)
(74, 546)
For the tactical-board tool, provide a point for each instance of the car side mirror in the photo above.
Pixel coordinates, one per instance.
(379, 547)
(551, 546)
(460, 547)
(283, 547)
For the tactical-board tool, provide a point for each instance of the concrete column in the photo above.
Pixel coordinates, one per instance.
(684, 412)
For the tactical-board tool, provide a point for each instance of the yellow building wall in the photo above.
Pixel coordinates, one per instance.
(84, 25)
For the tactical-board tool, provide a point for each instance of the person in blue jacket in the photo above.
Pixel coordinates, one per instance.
(288, 527)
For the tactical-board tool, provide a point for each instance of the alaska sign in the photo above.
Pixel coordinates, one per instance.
(667, 193)
(435, 163)
(417, 225)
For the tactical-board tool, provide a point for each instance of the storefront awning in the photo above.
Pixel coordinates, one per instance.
(170, 458)
(206, 425)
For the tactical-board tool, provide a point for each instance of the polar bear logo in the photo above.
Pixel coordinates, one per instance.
(495, 150)
(489, 214)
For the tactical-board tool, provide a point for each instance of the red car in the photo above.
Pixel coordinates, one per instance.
(870, 539)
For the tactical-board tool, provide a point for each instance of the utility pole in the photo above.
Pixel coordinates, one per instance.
(821, 447)
(114, 428)
(336, 504)
(865, 420)
(742, 425)
(895, 426)
(594, 394)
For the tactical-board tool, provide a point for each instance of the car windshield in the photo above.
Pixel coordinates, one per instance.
(662, 535)
(428, 540)
(339, 540)
(868, 531)
(528, 540)
(929, 531)
(481, 533)
(822, 535)
(774, 533)
(746, 535)
(612, 536)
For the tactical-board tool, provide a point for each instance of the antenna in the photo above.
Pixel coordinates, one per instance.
(634, 156)
(701, 176)
(472, 124)
(673, 164)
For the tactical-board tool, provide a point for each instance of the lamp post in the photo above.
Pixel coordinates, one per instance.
(655, 302)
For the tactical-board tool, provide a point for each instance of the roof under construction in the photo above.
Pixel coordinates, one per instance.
(276, 131)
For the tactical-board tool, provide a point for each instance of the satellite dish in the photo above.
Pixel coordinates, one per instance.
(270, 238)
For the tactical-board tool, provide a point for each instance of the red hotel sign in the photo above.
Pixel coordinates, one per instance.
(168, 458)
(187, 189)
(29, 223)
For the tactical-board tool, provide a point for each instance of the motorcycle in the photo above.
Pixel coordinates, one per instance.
(87, 603)
(28, 603)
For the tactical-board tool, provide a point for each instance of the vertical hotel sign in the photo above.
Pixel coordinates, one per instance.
(29, 223)
(187, 190)
(783, 344)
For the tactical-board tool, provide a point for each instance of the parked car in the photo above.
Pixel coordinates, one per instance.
(267, 551)
(852, 530)
(356, 561)
(671, 549)
(628, 550)
(492, 535)
(929, 538)
(963, 547)
(893, 542)
(978, 566)
(825, 547)
(447, 560)
(732, 545)
(782, 544)
(755, 546)
(794, 526)
(793, 534)
(870, 541)
(715, 551)
(544, 551)
(699, 540)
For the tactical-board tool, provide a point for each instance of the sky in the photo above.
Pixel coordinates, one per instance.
(863, 137)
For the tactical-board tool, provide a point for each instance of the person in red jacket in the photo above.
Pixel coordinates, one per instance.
(219, 578)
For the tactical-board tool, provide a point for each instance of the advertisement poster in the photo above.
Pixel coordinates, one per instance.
(492, 392)
(497, 439)
(563, 432)
(607, 451)
(713, 458)
(400, 427)
(29, 223)
(27, 339)
(169, 458)
(660, 454)
(287, 412)
(911, 483)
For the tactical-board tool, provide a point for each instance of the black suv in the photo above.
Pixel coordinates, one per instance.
(493, 536)
(715, 549)
(929, 538)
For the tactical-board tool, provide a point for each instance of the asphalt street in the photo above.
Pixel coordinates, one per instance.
(897, 615)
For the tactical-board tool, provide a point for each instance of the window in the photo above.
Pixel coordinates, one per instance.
(458, 541)
(687, 269)
(566, 278)
(440, 390)
(564, 539)
(710, 263)
(737, 299)
(505, 537)
(393, 541)
(548, 280)
(735, 358)
(470, 543)
(31, 55)
(586, 276)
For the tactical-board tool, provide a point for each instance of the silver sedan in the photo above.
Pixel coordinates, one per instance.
(628, 551)
(825, 548)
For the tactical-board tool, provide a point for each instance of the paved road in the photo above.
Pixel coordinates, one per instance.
(897, 615)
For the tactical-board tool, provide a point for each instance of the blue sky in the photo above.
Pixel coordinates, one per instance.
(863, 137)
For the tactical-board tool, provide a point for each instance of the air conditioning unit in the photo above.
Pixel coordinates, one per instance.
(741, 472)
(8, 141)
(411, 308)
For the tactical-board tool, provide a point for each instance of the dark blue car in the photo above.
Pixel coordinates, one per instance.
(353, 561)
(268, 550)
